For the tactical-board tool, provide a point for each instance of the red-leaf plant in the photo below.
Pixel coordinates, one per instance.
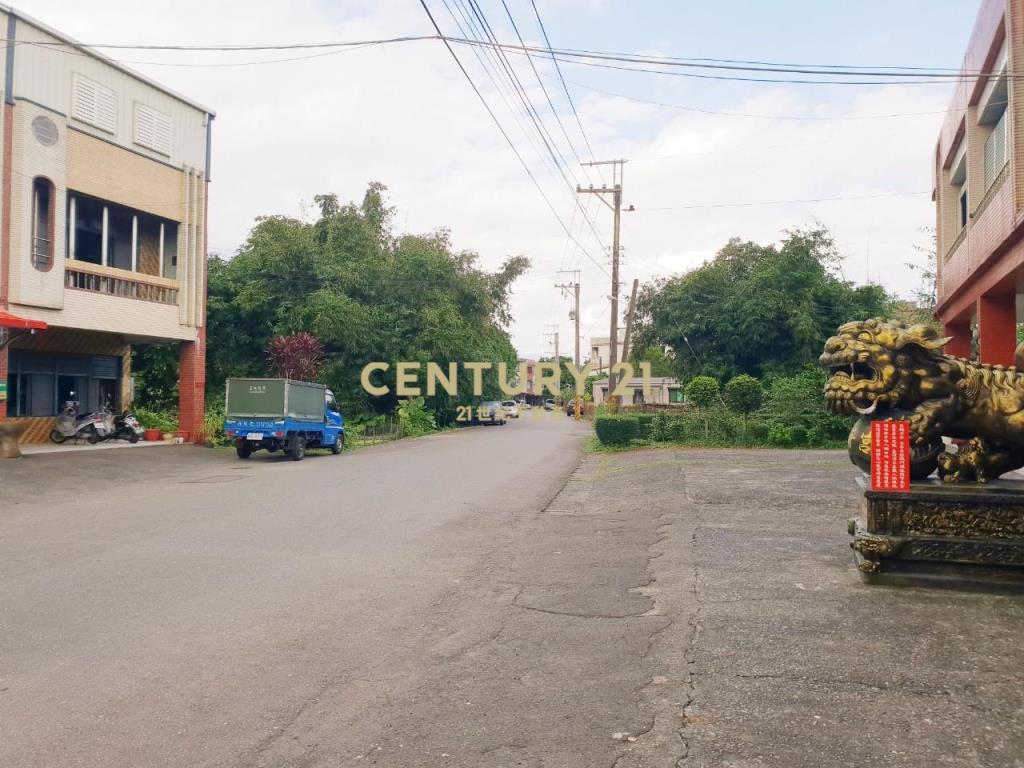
(298, 356)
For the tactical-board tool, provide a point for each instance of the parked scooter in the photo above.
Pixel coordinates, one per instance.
(92, 427)
(127, 427)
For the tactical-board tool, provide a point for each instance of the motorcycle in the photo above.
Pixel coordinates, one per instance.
(92, 427)
(127, 427)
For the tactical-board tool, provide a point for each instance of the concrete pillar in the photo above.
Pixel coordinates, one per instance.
(960, 344)
(192, 388)
(997, 328)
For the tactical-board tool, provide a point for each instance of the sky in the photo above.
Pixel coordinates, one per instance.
(405, 115)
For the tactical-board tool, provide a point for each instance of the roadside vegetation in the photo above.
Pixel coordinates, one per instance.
(743, 333)
(362, 293)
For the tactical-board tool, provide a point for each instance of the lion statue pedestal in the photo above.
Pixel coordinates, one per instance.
(968, 523)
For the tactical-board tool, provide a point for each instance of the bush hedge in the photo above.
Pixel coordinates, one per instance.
(792, 415)
(617, 430)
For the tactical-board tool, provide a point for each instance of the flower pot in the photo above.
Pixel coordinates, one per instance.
(152, 435)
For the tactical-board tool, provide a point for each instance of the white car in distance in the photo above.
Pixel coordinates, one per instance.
(511, 408)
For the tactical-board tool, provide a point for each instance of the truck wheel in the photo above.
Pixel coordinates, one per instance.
(339, 445)
(297, 449)
(243, 450)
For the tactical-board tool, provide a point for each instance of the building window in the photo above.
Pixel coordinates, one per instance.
(117, 236)
(120, 223)
(958, 182)
(995, 149)
(170, 250)
(150, 257)
(93, 103)
(85, 239)
(40, 383)
(43, 195)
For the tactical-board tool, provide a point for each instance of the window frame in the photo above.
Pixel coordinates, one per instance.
(51, 225)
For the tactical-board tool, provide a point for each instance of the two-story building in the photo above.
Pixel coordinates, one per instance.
(979, 191)
(103, 211)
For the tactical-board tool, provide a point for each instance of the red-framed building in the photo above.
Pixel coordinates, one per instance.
(979, 191)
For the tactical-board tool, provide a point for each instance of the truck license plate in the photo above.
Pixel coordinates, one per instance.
(255, 435)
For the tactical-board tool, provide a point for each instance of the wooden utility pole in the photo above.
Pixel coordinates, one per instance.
(615, 192)
(629, 320)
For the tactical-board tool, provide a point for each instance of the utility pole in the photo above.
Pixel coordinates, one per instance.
(615, 192)
(575, 287)
(554, 336)
(629, 320)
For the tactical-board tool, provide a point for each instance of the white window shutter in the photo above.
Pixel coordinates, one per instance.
(93, 103)
(152, 129)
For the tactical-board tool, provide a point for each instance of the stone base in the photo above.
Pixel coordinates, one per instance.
(968, 532)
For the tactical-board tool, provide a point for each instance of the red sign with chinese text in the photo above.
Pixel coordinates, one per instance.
(890, 456)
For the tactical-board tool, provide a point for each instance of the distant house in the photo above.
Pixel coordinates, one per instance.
(664, 391)
(530, 395)
(600, 350)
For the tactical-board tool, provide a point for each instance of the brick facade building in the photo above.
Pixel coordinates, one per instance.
(103, 210)
(979, 191)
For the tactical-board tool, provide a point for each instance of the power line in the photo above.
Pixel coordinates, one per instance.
(540, 82)
(699, 110)
(936, 80)
(502, 90)
(600, 58)
(531, 112)
(558, 69)
(781, 202)
(497, 122)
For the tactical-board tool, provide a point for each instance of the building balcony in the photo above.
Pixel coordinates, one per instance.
(83, 276)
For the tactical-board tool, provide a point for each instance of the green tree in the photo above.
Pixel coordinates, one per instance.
(367, 295)
(743, 394)
(703, 392)
(755, 309)
(661, 363)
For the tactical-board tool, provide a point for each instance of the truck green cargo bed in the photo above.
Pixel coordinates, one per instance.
(274, 399)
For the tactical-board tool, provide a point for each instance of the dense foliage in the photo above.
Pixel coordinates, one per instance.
(755, 309)
(366, 294)
(702, 391)
(743, 394)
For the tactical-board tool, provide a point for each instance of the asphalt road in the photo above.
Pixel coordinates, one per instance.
(480, 599)
(179, 607)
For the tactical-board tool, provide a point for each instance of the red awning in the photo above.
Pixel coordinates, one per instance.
(7, 320)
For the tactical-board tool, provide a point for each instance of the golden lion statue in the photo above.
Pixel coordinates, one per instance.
(884, 364)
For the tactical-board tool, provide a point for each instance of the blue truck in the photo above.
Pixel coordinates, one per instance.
(282, 415)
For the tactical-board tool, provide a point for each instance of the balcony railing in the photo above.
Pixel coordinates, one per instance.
(94, 278)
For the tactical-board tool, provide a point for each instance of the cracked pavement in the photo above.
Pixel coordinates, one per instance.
(484, 599)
